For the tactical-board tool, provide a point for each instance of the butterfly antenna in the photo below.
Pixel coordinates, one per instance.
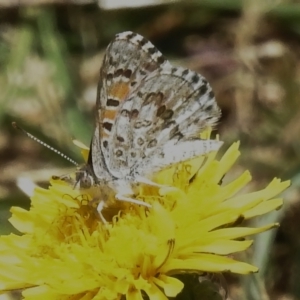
(14, 124)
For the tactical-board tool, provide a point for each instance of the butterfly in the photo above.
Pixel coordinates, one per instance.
(148, 116)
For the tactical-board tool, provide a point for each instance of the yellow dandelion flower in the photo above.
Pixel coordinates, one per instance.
(65, 252)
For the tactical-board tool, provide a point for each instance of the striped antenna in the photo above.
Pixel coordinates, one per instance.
(14, 124)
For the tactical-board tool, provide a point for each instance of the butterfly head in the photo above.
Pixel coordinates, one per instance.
(84, 177)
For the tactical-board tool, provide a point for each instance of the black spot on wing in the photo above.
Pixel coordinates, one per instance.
(140, 141)
(125, 113)
(109, 77)
(127, 73)
(152, 50)
(118, 73)
(112, 102)
(203, 89)
(119, 153)
(134, 113)
(167, 114)
(143, 41)
(161, 59)
(160, 110)
(107, 126)
(195, 78)
(152, 143)
(185, 72)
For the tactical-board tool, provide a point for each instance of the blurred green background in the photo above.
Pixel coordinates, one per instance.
(50, 55)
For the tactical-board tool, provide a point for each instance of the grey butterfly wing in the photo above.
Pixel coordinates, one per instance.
(174, 152)
(171, 106)
(128, 59)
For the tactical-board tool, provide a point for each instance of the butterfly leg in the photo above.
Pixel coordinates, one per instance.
(144, 180)
(121, 197)
(99, 209)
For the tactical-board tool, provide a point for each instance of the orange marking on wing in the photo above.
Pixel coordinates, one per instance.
(119, 91)
(104, 134)
(110, 114)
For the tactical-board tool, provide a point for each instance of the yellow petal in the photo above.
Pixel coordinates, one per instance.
(208, 263)
(221, 247)
(171, 286)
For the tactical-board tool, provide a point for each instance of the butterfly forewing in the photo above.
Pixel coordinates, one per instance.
(128, 60)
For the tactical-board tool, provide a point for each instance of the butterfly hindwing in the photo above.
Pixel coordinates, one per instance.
(172, 153)
(171, 104)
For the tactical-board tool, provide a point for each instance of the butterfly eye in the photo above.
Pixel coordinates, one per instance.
(84, 179)
(87, 181)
